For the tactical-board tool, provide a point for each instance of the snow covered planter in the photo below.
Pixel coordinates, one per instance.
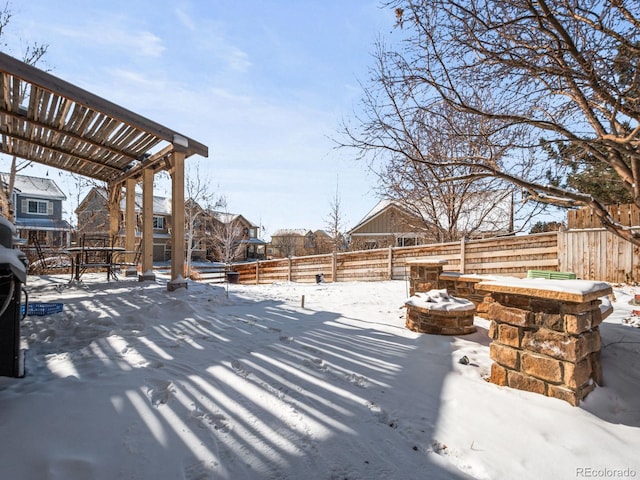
(439, 313)
(545, 335)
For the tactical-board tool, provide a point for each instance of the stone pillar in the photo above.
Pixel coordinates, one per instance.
(424, 274)
(545, 335)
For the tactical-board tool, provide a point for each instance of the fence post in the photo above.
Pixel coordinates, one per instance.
(462, 253)
(257, 272)
(290, 267)
(390, 264)
(334, 267)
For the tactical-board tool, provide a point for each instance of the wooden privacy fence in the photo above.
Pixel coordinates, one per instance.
(596, 254)
(501, 256)
(625, 214)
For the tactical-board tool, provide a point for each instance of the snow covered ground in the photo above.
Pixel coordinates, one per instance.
(131, 381)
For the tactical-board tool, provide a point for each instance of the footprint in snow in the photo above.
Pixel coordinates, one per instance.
(239, 369)
(160, 392)
(217, 421)
(357, 380)
(316, 363)
(381, 415)
(197, 470)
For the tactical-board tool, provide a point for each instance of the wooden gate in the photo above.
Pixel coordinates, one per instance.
(595, 254)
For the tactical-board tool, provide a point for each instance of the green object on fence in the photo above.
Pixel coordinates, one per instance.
(551, 275)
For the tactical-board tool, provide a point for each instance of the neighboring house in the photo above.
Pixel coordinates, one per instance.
(299, 242)
(93, 217)
(388, 224)
(318, 242)
(38, 211)
(246, 233)
(391, 224)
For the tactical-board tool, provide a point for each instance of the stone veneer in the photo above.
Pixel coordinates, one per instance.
(545, 335)
(424, 274)
(464, 285)
(452, 316)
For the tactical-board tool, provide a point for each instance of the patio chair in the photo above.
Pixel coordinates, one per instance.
(129, 259)
(47, 259)
(95, 252)
(95, 240)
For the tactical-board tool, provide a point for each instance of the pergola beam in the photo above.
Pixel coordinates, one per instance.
(80, 96)
(56, 131)
(152, 162)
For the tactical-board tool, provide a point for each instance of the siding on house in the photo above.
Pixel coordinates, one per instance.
(93, 217)
(391, 224)
(38, 211)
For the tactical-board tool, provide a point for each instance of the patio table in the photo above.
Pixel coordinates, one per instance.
(93, 257)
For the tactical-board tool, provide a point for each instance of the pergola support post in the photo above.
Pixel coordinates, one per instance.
(147, 226)
(177, 215)
(130, 224)
(115, 192)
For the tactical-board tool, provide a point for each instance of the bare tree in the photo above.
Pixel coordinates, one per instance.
(524, 71)
(78, 186)
(32, 55)
(335, 221)
(200, 199)
(226, 235)
(448, 200)
(286, 241)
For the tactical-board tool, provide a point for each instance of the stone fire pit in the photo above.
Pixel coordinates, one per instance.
(439, 313)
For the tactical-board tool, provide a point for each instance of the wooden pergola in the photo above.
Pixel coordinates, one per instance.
(47, 120)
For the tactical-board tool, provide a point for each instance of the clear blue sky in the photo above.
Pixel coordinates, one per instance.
(264, 84)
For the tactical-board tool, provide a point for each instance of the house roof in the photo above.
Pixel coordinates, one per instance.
(50, 121)
(253, 241)
(43, 224)
(299, 232)
(377, 210)
(161, 205)
(225, 217)
(35, 187)
(322, 233)
(296, 232)
(482, 212)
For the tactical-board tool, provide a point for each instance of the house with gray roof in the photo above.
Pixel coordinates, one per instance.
(38, 210)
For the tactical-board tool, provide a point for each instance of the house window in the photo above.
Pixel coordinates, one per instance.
(407, 242)
(370, 244)
(310, 241)
(158, 223)
(37, 207)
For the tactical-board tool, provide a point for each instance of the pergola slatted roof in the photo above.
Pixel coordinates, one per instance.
(49, 121)
(55, 123)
